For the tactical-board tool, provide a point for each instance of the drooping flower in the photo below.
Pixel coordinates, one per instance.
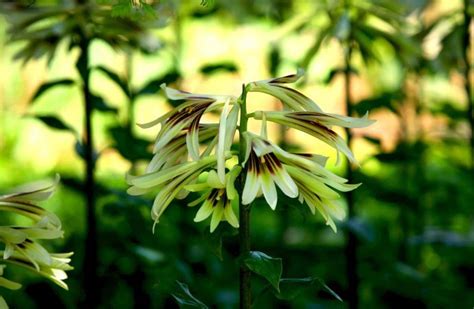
(169, 183)
(186, 116)
(176, 151)
(264, 169)
(318, 124)
(21, 242)
(297, 175)
(290, 98)
(216, 198)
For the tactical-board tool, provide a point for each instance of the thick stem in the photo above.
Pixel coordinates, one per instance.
(90, 262)
(351, 244)
(244, 212)
(467, 72)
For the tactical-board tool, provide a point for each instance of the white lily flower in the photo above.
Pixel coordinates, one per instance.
(264, 169)
(21, 246)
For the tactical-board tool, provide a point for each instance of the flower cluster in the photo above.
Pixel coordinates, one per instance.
(191, 156)
(21, 242)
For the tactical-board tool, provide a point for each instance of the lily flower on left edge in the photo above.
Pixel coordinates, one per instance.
(216, 198)
(21, 242)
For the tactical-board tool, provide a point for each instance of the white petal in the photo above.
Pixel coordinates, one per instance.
(251, 187)
(268, 188)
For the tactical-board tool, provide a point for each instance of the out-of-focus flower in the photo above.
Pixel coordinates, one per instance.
(318, 124)
(216, 198)
(291, 98)
(21, 246)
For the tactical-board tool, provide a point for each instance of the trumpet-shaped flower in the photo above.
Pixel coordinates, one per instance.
(216, 198)
(299, 175)
(319, 125)
(264, 169)
(290, 98)
(21, 242)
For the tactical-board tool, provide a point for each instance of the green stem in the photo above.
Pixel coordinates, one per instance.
(244, 211)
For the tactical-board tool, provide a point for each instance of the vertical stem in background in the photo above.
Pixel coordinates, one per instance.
(351, 242)
(244, 211)
(467, 71)
(90, 261)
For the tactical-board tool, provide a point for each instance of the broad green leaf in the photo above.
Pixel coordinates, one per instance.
(116, 78)
(266, 266)
(49, 85)
(184, 297)
(55, 123)
(290, 288)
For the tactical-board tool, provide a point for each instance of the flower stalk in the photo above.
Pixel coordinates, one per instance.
(244, 210)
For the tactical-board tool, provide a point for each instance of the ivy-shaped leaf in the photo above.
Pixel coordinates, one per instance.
(266, 266)
(47, 86)
(54, 122)
(184, 297)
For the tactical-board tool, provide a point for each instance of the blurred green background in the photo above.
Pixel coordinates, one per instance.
(408, 64)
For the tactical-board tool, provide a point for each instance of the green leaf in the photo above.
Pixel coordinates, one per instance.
(99, 104)
(266, 266)
(46, 86)
(184, 297)
(290, 288)
(114, 77)
(223, 66)
(55, 123)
